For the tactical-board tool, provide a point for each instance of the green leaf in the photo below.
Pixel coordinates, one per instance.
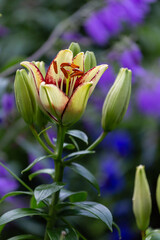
(45, 190)
(86, 174)
(48, 171)
(74, 142)
(33, 203)
(14, 194)
(36, 161)
(73, 196)
(99, 210)
(57, 234)
(24, 237)
(75, 154)
(68, 146)
(78, 134)
(88, 209)
(19, 213)
(78, 197)
(153, 235)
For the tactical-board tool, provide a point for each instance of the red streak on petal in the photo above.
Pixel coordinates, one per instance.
(55, 67)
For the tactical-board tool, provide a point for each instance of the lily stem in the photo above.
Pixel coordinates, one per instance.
(143, 235)
(97, 141)
(59, 168)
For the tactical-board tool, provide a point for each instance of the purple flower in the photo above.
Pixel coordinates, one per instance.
(3, 31)
(110, 16)
(147, 96)
(111, 180)
(8, 103)
(107, 80)
(7, 182)
(96, 29)
(109, 21)
(120, 142)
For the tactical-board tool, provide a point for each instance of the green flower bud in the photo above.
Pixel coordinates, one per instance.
(117, 100)
(158, 193)
(24, 95)
(141, 199)
(89, 60)
(75, 48)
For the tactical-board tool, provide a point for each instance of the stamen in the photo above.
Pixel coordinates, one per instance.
(64, 72)
(55, 67)
(77, 73)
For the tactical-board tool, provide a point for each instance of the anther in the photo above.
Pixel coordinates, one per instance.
(55, 67)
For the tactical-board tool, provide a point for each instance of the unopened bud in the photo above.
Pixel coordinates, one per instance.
(117, 100)
(158, 193)
(24, 95)
(89, 60)
(75, 48)
(26, 98)
(141, 199)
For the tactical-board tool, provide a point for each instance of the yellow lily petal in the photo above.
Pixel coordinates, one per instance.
(53, 99)
(94, 75)
(54, 73)
(35, 72)
(76, 105)
(79, 60)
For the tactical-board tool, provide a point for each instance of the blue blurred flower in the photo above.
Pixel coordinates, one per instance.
(8, 103)
(119, 142)
(96, 29)
(108, 21)
(7, 182)
(147, 96)
(127, 232)
(111, 181)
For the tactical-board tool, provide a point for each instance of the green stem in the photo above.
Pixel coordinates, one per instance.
(59, 168)
(40, 140)
(143, 235)
(97, 141)
(48, 140)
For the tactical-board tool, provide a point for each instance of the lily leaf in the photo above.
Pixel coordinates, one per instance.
(19, 213)
(73, 196)
(86, 174)
(36, 161)
(48, 171)
(14, 194)
(74, 154)
(45, 190)
(24, 237)
(78, 134)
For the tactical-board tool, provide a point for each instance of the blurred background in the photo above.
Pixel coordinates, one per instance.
(122, 33)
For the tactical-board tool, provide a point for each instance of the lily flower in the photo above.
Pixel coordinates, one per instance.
(64, 91)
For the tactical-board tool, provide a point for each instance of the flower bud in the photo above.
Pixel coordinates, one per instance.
(89, 60)
(141, 199)
(25, 94)
(25, 99)
(158, 193)
(117, 100)
(75, 48)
